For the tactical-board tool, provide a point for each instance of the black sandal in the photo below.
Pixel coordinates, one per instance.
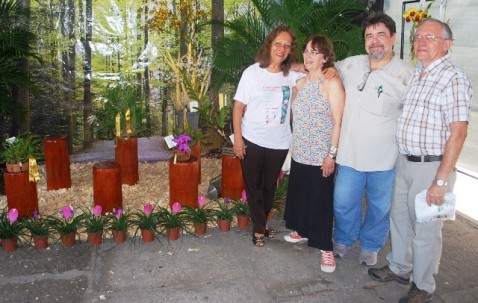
(258, 241)
(270, 233)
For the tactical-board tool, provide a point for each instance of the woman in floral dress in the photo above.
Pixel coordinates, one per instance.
(316, 115)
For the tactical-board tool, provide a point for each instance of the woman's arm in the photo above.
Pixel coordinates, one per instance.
(237, 112)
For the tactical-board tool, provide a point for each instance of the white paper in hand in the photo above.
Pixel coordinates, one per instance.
(425, 213)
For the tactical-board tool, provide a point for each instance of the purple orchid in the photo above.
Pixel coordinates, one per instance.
(97, 211)
(182, 142)
(36, 214)
(148, 209)
(176, 207)
(227, 200)
(12, 215)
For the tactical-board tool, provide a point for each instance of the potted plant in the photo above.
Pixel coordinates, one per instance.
(182, 149)
(10, 229)
(39, 230)
(173, 221)
(94, 224)
(146, 221)
(199, 216)
(16, 152)
(120, 222)
(240, 208)
(278, 204)
(224, 214)
(66, 225)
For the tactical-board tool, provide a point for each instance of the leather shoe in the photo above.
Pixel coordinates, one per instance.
(384, 274)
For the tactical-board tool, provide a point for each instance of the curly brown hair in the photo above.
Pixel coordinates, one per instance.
(324, 46)
(263, 55)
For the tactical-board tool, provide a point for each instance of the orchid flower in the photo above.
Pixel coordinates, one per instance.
(148, 209)
(67, 212)
(36, 214)
(227, 200)
(201, 201)
(12, 215)
(176, 207)
(97, 211)
(118, 212)
(244, 196)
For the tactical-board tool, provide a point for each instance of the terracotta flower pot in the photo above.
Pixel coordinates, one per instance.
(95, 238)
(68, 240)
(40, 242)
(173, 233)
(200, 228)
(147, 235)
(119, 236)
(182, 156)
(10, 244)
(224, 225)
(243, 221)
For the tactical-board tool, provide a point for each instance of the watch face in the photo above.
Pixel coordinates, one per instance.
(440, 182)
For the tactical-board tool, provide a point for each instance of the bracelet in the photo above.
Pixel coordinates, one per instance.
(333, 150)
(331, 155)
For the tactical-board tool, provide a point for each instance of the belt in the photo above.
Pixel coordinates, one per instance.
(427, 158)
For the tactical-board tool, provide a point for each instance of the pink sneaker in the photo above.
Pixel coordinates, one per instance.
(327, 261)
(294, 237)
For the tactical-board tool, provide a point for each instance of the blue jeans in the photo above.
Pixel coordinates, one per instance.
(350, 185)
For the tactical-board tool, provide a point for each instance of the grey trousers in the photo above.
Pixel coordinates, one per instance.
(416, 247)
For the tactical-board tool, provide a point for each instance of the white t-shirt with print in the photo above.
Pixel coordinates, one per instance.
(267, 95)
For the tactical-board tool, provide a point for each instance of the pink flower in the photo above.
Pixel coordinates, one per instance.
(281, 175)
(67, 212)
(118, 212)
(176, 207)
(12, 215)
(148, 209)
(97, 210)
(244, 196)
(201, 201)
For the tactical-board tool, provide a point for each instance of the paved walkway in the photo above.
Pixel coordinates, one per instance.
(221, 267)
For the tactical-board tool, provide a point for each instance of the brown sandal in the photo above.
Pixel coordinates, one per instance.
(270, 233)
(258, 241)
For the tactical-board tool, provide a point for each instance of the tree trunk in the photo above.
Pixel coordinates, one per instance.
(147, 89)
(87, 109)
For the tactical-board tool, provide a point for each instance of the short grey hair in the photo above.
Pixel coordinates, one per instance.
(446, 30)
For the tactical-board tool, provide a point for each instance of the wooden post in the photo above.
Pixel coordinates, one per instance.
(21, 194)
(107, 190)
(196, 152)
(232, 182)
(57, 163)
(126, 155)
(183, 182)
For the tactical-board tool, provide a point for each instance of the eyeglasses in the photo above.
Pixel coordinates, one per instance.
(361, 86)
(427, 37)
(311, 52)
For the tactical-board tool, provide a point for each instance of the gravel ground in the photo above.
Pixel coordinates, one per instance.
(153, 186)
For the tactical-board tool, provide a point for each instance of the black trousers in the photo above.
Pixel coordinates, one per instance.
(260, 168)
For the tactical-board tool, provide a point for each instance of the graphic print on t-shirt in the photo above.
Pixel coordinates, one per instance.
(285, 103)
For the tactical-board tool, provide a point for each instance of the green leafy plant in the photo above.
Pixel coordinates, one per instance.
(17, 150)
(241, 207)
(119, 219)
(173, 218)
(203, 214)
(38, 225)
(92, 219)
(281, 193)
(65, 223)
(145, 218)
(224, 209)
(10, 226)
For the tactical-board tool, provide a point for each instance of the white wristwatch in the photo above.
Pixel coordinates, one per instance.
(441, 182)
